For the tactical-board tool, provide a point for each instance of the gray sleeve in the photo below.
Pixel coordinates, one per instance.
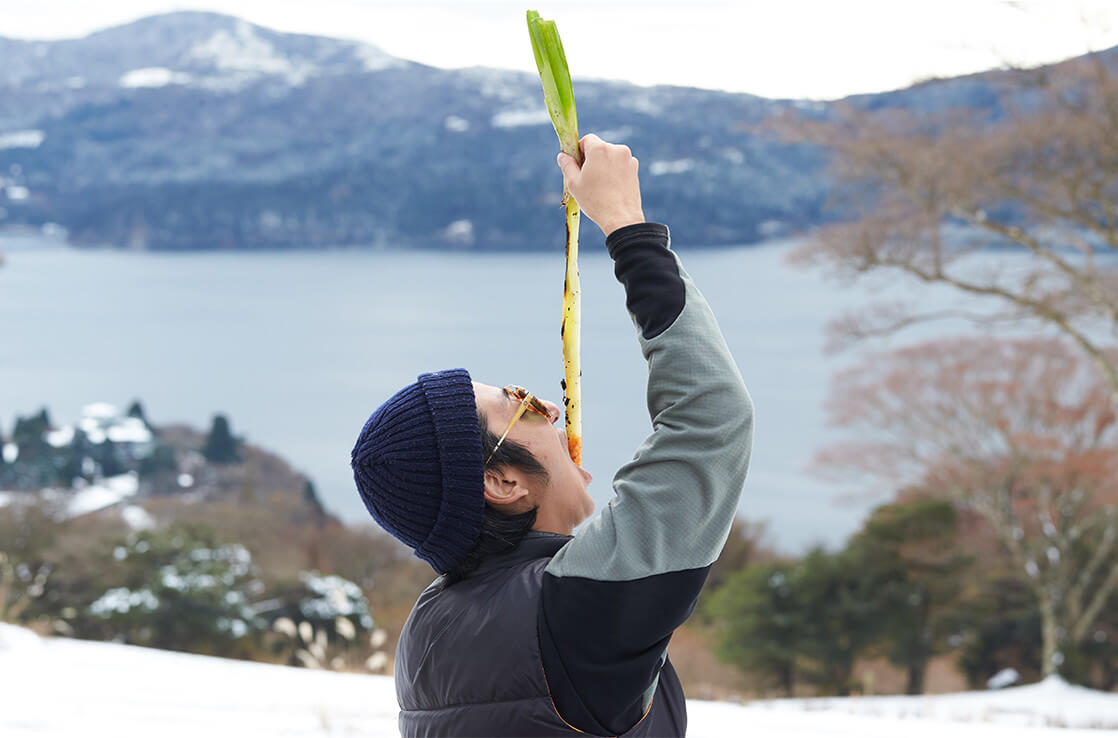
(675, 500)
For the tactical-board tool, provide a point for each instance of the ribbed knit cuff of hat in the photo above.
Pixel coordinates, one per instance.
(450, 395)
(418, 467)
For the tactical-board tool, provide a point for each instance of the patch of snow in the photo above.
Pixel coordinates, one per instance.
(815, 105)
(14, 638)
(64, 436)
(1050, 703)
(1004, 678)
(53, 230)
(137, 518)
(153, 77)
(642, 101)
(515, 118)
(460, 231)
(107, 493)
(100, 411)
(675, 166)
(125, 484)
(123, 600)
(337, 597)
(101, 421)
(374, 59)
(91, 427)
(270, 220)
(504, 85)
(16, 193)
(10, 452)
(616, 135)
(244, 51)
(5, 499)
(733, 156)
(456, 124)
(770, 228)
(129, 430)
(26, 139)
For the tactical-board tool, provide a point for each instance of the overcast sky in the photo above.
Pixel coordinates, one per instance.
(775, 48)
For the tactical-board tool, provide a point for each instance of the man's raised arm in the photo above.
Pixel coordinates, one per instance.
(613, 596)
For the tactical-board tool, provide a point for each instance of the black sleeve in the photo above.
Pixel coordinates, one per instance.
(654, 292)
(615, 593)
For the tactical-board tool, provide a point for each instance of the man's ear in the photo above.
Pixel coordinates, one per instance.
(505, 488)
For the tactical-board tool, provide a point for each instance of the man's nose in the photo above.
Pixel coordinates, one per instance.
(553, 411)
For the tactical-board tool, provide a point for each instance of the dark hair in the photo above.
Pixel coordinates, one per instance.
(500, 532)
(510, 453)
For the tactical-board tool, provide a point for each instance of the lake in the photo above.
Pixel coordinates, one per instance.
(297, 348)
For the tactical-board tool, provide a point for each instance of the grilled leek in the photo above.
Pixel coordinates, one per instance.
(560, 101)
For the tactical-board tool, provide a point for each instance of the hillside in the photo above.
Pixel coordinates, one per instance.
(201, 131)
(110, 459)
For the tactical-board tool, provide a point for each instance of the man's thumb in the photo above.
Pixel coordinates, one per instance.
(568, 164)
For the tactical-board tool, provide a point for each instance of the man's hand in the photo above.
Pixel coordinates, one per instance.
(605, 186)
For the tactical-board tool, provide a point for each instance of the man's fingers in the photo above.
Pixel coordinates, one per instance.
(568, 165)
(591, 144)
(590, 140)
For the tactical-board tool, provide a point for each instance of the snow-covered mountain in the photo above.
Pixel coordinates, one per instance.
(198, 130)
(206, 50)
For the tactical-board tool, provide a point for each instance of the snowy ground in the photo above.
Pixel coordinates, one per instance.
(60, 688)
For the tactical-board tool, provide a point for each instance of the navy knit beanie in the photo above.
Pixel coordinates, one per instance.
(417, 464)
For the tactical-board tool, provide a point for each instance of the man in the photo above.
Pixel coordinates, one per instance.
(530, 631)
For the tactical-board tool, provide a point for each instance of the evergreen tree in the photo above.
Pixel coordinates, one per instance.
(804, 621)
(109, 458)
(136, 410)
(74, 457)
(310, 496)
(35, 466)
(29, 433)
(161, 462)
(221, 447)
(181, 589)
(912, 548)
(843, 603)
(761, 622)
(1003, 631)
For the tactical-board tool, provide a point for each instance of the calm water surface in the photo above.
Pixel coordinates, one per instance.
(299, 348)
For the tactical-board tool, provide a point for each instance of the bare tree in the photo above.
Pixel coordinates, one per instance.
(925, 191)
(1022, 433)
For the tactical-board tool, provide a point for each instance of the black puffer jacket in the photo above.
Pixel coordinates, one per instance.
(489, 681)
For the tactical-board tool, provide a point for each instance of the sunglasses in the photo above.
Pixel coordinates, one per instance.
(528, 403)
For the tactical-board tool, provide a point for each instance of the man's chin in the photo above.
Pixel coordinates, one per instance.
(590, 509)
